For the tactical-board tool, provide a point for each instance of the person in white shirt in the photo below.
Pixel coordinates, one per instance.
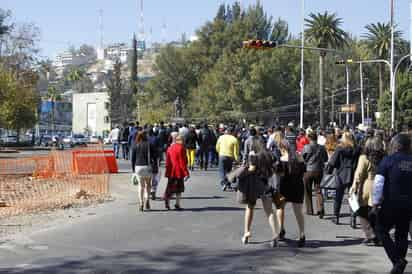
(114, 139)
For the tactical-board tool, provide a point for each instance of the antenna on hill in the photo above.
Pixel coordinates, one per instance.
(141, 27)
(100, 47)
(164, 32)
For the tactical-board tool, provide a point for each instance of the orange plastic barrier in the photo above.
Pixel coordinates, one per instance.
(94, 162)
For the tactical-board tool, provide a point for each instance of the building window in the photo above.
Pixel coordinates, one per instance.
(107, 105)
(106, 119)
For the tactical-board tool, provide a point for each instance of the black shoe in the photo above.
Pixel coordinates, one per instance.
(353, 222)
(282, 235)
(275, 243)
(302, 242)
(167, 205)
(153, 196)
(335, 220)
(321, 214)
(399, 267)
(177, 207)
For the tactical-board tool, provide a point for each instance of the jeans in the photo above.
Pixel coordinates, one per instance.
(125, 151)
(204, 158)
(399, 219)
(225, 166)
(340, 193)
(116, 149)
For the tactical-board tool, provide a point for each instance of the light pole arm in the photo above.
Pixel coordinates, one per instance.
(399, 64)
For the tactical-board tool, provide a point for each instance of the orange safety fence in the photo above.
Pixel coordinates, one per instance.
(47, 182)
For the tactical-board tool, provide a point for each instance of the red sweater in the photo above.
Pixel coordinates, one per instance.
(176, 162)
(301, 141)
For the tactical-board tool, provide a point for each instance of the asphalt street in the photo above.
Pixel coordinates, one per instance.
(203, 238)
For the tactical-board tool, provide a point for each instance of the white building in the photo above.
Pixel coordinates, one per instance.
(69, 59)
(90, 113)
(119, 51)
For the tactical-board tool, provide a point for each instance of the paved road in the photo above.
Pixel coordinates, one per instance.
(204, 238)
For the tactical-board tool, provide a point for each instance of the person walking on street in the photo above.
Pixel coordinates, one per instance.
(191, 143)
(124, 140)
(344, 160)
(176, 172)
(157, 151)
(206, 142)
(315, 157)
(392, 201)
(114, 138)
(362, 186)
(253, 179)
(301, 141)
(227, 147)
(144, 159)
(291, 189)
(248, 144)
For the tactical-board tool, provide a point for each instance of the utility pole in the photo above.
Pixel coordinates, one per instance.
(302, 61)
(392, 79)
(362, 98)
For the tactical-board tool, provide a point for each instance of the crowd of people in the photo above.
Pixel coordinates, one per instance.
(281, 165)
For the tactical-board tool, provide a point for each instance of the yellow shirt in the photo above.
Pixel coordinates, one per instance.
(227, 145)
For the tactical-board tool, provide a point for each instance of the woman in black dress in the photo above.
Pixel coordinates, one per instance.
(292, 189)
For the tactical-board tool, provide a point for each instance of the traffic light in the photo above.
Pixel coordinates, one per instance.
(259, 44)
(343, 62)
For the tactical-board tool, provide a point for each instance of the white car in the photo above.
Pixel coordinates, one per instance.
(94, 140)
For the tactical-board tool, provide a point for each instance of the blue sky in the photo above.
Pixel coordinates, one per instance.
(75, 22)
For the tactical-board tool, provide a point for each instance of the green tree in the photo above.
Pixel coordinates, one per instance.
(280, 32)
(53, 96)
(75, 76)
(378, 38)
(403, 104)
(19, 103)
(324, 31)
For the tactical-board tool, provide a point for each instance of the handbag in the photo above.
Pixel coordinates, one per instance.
(134, 179)
(329, 181)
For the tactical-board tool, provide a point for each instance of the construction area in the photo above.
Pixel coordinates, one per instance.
(57, 180)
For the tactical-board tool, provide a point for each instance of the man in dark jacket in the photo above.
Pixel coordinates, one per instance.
(124, 141)
(392, 201)
(205, 143)
(315, 157)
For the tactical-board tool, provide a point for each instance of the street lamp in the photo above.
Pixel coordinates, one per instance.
(302, 73)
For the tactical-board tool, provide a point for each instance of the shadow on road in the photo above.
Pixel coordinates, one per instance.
(184, 259)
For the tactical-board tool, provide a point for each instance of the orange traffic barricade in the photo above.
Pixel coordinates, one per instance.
(94, 162)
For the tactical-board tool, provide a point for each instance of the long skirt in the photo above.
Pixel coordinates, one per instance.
(174, 186)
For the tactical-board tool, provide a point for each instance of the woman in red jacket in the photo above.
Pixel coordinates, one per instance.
(176, 172)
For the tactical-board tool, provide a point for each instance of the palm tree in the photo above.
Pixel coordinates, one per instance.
(53, 96)
(324, 31)
(75, 76)
(378, 38)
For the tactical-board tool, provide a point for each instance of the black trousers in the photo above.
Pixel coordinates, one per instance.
(394, 218)
(133, 157)
(204, 158)
(340, 193)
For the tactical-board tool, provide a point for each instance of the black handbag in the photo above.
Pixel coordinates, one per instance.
(329, 181)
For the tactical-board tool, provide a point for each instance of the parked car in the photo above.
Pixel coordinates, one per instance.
(8, 140)
(67, 141)
(79, 139)
(46, 140)
(94, 140)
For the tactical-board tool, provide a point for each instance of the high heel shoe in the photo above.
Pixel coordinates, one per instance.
(302, 241)
(245, 238)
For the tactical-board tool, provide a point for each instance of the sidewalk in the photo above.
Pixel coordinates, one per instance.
(204, 238)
